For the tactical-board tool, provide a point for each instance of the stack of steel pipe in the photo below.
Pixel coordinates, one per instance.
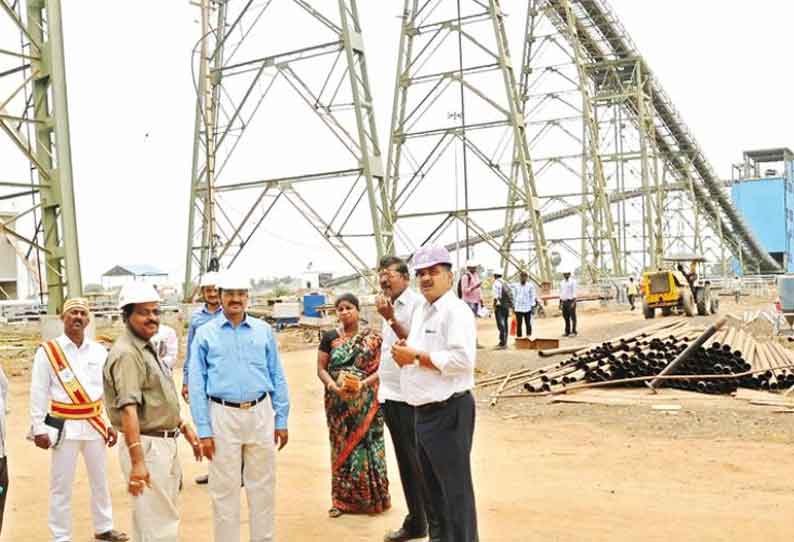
(648, 355)
(647, 352)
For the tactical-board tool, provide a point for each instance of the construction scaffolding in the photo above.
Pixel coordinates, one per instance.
(34, 121)
(237, 73)
(456, 108)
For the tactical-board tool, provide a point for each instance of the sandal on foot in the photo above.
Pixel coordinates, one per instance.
(334, 512)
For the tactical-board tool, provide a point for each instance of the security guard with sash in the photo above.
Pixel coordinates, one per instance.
(66, 417)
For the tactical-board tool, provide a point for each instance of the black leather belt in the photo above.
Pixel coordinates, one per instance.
(173, 433)
(431, 407)
(243, 406)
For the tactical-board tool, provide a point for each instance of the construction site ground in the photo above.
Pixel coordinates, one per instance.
(715, 470)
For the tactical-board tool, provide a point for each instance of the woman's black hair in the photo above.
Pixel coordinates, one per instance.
(350, 298)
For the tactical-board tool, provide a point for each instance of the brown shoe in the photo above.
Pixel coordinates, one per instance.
(112, 536)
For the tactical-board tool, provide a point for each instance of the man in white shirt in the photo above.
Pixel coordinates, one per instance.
(397, 306)
(568, 303)
(436, 377)
(166, 343)
(3, 458)
(524, 301)
(502, 303)
(66, 387)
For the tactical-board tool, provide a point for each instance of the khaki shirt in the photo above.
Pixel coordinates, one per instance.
(134, 376)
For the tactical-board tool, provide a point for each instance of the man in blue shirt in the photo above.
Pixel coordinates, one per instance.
(211, 310)
(240, 404)
(524, 301)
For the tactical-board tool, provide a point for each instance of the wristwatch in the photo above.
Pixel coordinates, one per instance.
(417, 361)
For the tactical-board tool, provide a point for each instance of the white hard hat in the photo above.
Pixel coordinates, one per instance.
(137, 292)
(232, 281)
(471, 263)
(209, 278)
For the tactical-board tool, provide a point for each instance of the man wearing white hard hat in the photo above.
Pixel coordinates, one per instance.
(66, 417)
(142, 401)
(240, 403)
(568, 303)
(470, 288)
(212, 309)
(436, 377)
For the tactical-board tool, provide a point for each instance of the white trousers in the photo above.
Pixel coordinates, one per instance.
(243, 434)
(64, 464)
(155, 517)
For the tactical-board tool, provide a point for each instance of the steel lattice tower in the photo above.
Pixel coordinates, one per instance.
(456, 108)
(34, 120)
(600, 121)
(326, 73)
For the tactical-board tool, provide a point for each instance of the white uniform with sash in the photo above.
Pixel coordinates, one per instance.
(80, 436)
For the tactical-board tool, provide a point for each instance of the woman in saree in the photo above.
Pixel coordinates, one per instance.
(347, 364)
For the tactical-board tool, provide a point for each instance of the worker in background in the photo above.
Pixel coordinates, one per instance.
(631, 291)
(502, 303)
(471, 289)
(397, 306)
(167, 345)
(3, 458)
(66, 417)
(142, 401)
(209, 311)
(436, 377)
(568, 303)
(240, 403)
(524, 298)
(737, 288)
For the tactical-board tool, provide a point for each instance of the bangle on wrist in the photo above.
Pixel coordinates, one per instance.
(133, 445)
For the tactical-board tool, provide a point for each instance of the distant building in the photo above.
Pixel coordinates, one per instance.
(764, 193)
(120, 275)
(8, 264)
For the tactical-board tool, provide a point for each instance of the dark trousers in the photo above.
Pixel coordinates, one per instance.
(569, 314)
(444, 437)
(3, 488)
(522, 317)
(631, 301)
(401, 421)
(501, 314)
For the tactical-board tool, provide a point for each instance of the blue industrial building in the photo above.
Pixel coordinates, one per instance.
(765, 197)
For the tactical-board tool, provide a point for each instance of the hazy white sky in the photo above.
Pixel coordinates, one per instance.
(724, 64)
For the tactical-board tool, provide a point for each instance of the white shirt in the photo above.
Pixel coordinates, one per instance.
(388, 371)
(3, 407)
(568, 289)
(166, 343)
(87, 363)
(523, 296)
(445, 330)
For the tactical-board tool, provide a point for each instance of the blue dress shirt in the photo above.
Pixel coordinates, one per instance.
(197, 319)
(235, 364)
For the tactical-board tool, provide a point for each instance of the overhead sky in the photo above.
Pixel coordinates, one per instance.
(725, 65)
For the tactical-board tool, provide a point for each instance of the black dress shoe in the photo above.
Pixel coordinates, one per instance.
(402, 535)
(204, 479)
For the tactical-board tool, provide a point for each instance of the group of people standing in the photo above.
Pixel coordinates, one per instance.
(414, 376)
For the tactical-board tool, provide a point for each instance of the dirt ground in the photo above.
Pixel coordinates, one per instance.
(715, 471)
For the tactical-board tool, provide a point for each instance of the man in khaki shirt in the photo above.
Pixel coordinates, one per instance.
(142, 402)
